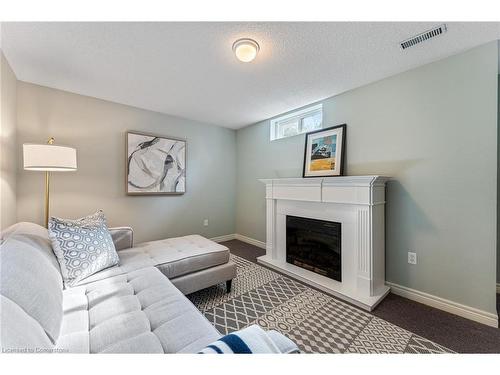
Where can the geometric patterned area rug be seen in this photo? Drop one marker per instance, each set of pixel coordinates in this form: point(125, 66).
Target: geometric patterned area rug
point(315, 321)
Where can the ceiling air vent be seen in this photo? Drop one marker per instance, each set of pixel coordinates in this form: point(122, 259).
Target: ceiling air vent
point(417, 39)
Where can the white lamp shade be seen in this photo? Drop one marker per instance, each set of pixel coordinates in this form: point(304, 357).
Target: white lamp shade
point(45, 157)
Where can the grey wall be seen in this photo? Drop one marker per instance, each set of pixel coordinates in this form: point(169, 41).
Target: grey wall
point(434, 130)
point(7, 144)
point(97, 129)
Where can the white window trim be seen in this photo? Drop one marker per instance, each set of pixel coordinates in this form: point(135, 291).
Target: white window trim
point(299, 115)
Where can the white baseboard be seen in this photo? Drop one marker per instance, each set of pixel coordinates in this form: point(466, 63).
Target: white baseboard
point(445, 305)
point(240, 237)
point(226, 237)
point(498, 287)
point(251, 241)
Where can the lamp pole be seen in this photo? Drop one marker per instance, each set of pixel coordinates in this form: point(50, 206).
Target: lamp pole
point(47, 189)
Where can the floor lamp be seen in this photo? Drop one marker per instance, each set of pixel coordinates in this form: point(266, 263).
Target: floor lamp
point(48, 158)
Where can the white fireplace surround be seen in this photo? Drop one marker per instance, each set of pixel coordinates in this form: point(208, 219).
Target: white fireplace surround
point(358, 203)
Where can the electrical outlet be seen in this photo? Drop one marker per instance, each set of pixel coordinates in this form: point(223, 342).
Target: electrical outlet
point(412, 258)
point(205, 222)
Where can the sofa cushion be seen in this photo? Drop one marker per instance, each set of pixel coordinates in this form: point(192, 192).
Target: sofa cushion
point(30, 276)
point(83, 247)
point(129, 261)
point(140, 311)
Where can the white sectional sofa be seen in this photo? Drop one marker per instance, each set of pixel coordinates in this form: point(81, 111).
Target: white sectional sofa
point(130, 308)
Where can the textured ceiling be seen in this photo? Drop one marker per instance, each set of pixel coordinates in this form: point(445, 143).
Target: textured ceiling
point(189, 70)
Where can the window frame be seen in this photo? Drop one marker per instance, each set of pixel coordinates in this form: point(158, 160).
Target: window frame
point(299, 115)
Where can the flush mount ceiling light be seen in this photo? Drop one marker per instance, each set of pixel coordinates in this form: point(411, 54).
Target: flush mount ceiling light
point(246, 49)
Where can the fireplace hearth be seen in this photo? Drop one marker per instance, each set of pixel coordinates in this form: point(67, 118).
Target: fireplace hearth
point(314, 245)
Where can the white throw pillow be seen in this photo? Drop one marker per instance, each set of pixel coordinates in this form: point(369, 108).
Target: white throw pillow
point(82, 247)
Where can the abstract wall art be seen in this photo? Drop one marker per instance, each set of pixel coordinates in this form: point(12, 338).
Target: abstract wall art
point(324, 152)
point(155, 164)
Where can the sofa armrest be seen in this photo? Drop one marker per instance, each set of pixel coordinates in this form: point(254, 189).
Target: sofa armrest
point(123, 237)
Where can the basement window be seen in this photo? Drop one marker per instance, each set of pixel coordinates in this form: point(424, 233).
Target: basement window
point(298, 122)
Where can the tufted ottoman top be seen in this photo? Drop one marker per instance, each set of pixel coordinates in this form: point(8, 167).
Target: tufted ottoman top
point(175, 257)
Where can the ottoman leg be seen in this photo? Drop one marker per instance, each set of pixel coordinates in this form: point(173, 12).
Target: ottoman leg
point(228, 285)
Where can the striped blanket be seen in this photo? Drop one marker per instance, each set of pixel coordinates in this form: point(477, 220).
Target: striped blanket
point(251, 340)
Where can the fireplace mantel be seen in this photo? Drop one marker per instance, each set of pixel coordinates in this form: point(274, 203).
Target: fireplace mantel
point(358, 202)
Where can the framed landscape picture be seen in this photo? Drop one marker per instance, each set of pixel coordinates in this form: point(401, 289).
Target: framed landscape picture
point(155, 164)
point(324, 152)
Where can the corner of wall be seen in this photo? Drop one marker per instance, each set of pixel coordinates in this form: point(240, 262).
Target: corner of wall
point(498, 167)
point(8, 151)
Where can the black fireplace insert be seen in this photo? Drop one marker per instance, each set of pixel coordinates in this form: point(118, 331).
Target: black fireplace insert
point(314, 245)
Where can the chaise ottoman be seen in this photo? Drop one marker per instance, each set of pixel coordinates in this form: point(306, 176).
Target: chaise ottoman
point(190, 262)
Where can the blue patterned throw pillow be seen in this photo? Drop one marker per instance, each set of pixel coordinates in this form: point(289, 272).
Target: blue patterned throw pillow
point(83, 246)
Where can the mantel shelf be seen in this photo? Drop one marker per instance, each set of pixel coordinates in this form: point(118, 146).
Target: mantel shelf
point(338, 180)
point(367, 190)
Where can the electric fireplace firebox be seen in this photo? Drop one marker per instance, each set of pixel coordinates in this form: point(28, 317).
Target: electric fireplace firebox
point(314, 245)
